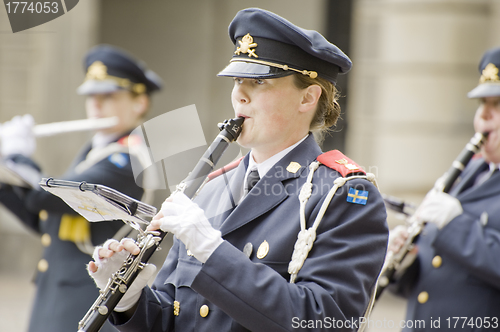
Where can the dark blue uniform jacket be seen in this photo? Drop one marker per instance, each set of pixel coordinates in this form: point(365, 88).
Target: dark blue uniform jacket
point(64, 290)
point(459, 266)
point(254, 294)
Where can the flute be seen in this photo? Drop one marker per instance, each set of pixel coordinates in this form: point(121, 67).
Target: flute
point(149, 242)
point(56, 128)
point(396, 263)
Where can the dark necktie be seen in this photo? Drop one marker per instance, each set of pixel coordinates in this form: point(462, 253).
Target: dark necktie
point(472, 180)
point(493, 169)
point(252, 179)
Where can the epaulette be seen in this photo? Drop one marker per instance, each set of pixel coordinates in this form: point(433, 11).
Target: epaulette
point(338, 161)
point(224, 169)
point(130, 140)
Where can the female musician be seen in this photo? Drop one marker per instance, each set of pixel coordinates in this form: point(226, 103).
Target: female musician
point(455, 281)
point(63, 292)
point(229, 268)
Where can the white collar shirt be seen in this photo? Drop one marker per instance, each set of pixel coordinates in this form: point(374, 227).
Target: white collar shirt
point(267, 164)
point(481, 178)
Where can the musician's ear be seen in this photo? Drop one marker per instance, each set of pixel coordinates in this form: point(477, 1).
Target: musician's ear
point(310, 98)
point(141, 104)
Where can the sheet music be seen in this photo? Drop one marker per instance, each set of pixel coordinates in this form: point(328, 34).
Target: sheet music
point(99, 203)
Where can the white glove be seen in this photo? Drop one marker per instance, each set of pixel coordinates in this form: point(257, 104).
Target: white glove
point(17, 136)
point(439, 184)
point(107, 266)
point(439, 208)
point(397, 237)
point(188, 223)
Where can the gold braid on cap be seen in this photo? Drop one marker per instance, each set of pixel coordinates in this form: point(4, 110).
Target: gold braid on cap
point(490, 74)
point(99, 72)
point(310, 73)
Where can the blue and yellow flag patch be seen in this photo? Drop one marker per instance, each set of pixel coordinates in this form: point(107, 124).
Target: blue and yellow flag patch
point(357, 196)
point(120, 160)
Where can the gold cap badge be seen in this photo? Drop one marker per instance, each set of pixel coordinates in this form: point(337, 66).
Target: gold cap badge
point(490, 74)
point(97, 71)
point(246, 44)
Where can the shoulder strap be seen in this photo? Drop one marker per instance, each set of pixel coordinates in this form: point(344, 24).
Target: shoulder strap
point(338, 161)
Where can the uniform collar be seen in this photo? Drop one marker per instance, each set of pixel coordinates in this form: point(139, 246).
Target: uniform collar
point(100, 140)
point(266, 198)
point(267, 164)
point(494, 166)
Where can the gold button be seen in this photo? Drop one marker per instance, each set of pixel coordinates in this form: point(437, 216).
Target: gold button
point(437, 261)
point(263, 250)
point(43, 265)
point(423, 297)
point(43, 215)
point(177, 308)
point(46, 240)
point(204, 310)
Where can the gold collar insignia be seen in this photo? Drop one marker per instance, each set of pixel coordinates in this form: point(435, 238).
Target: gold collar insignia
point(293, 167)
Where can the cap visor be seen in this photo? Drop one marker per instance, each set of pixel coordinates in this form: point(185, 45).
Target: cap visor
point(485, 90)
point(93, 87)
point(252, 70)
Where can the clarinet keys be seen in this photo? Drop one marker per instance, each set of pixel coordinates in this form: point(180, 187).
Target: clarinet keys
point(102, 309)
point(122, 288)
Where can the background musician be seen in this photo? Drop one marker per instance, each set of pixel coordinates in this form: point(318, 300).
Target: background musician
point(457, 270)
point(229, 268)
point(116, 84)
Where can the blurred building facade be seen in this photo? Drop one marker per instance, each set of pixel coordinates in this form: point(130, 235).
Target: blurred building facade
point(415, 61)
point(405, 119)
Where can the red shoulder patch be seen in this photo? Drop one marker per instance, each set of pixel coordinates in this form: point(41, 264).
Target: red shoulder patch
point(224, 169)
point(338, 161)
point(130, 140)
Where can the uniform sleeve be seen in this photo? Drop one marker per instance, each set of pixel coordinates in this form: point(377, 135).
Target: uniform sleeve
point(334, 282)
point(404, 285)
point(12, 199)
point(155, 308)
point(473, 246)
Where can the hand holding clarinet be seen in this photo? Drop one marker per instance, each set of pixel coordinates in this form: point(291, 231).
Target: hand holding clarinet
point(123, 265)
point(179, 216)
point(437, 207)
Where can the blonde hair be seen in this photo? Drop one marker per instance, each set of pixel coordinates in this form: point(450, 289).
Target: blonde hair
point(328, 110)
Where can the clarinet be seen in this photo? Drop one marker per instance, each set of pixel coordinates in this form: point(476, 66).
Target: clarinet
point(396, 263)
point(149, 242)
